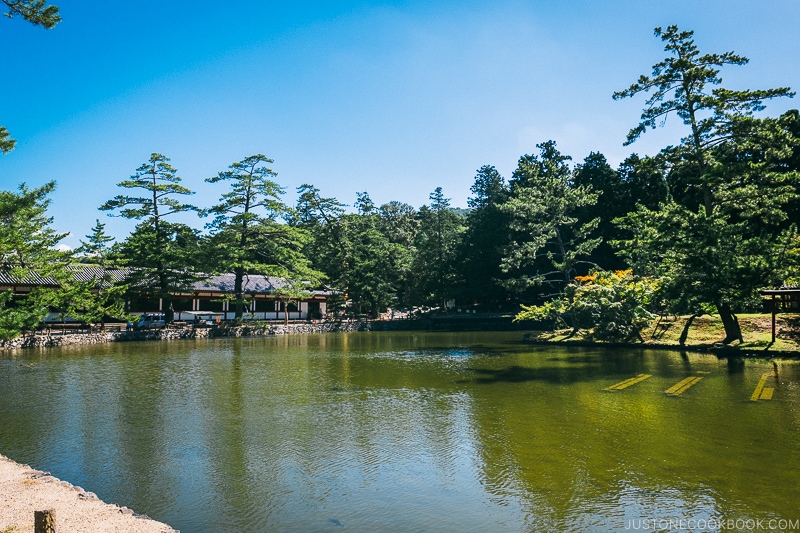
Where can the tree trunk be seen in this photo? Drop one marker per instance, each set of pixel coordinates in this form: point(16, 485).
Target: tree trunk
point(685, 332)
point(732, 330)
point(237, 289)
point(169, 311)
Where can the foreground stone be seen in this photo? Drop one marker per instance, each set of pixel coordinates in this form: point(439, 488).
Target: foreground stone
point(23, 491)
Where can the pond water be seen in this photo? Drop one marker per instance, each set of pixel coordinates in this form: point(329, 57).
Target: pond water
point(410, 432)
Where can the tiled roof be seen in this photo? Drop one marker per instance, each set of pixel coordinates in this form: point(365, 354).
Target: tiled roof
point(79, 272)
point(225, 283)
point(31, 278)
point(252, 283)
point(89, 273)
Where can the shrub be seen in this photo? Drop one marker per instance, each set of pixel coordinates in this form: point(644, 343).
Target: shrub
point(614, 305)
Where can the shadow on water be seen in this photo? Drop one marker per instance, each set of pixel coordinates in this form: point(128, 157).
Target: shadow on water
point(563, 368)
point(551, 374)
point(735, 365)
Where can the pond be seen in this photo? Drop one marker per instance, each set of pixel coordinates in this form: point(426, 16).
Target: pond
point(411, 432)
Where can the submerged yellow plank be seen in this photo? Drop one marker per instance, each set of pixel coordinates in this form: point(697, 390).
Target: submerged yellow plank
point(761, 382)
point(691, 383)
point(628, 382)
point(679, 385)
point(766, 394)
point(682, 385)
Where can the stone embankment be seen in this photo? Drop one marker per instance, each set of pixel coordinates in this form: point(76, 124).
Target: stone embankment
point(290, 329)
point(48, 341)
point(444, 323)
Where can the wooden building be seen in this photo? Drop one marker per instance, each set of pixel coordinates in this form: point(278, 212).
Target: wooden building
point(213, 294)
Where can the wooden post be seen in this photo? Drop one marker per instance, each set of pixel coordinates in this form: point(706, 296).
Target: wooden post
point(44, 521)
point(774, 312)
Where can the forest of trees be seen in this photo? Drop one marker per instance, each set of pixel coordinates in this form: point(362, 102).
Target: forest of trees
point(700, 226)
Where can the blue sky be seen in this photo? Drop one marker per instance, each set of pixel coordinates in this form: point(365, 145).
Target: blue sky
point(394, 98)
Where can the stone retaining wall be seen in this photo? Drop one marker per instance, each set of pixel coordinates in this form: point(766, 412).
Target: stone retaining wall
point(255, 330)
point(47, 341)
point(290, 329)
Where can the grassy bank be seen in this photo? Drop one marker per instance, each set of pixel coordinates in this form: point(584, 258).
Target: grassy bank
point(706, 331)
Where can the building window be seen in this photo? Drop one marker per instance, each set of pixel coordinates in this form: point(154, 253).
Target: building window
point(265, 305)
point(210, 305)
point(144, 304)
point(182, 304)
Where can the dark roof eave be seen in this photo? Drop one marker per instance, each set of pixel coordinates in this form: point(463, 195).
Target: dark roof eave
point(777, 292)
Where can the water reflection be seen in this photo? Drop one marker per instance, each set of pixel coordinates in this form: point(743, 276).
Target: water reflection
point(404, 432)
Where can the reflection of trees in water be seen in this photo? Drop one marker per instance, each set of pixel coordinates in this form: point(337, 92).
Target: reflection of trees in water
point(571, 454)
point(292, 431)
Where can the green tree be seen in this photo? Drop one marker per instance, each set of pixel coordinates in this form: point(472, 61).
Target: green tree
point(153, 249)
point(161, 264)
point(399, 223)
point(106, 288)
point(320, 216)
point(291, 291)
point(357, 257)
point(720, 239)
point(437, 244)
point(644, 182)
point(314, 210)
point(247, 232)
point(371, 261)
point(73, 298)
point(615, 306)
point(36, 12)
point(370, 275)
point(27, 252)
point(548, 240)
point(97, 246)
point(613, 201)
point(485, 237)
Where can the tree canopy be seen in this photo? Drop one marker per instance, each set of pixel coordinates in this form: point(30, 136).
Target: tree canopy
point(720, 237)
point(28, 252)
point(699, 226)
point(159, 251)
point(548, 240)
point(247, 234)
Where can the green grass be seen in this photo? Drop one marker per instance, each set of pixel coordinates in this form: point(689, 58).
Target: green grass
point(707, 330)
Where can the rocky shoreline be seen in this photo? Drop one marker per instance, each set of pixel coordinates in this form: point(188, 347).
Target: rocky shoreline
point(24, 491)
point(68, 339)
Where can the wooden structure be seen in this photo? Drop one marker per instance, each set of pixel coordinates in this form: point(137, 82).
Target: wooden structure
point(211, 294)
point(43, 521)
point(781, 300)
point(214, 294)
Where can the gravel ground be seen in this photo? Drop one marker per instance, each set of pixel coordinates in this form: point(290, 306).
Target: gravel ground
point(24, 490)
